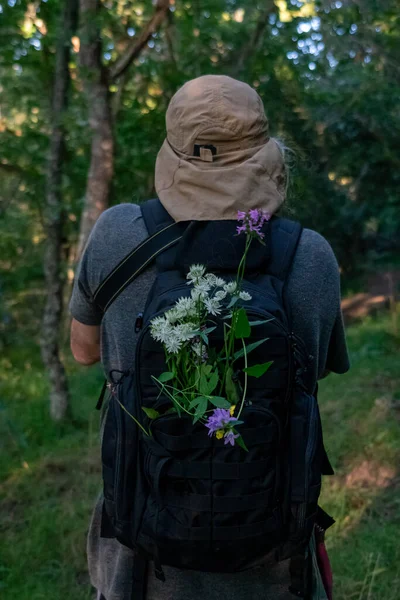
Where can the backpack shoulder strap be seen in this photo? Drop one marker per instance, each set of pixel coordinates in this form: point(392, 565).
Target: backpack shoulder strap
point(155, 216)
point(285, 236)
point(164, 233)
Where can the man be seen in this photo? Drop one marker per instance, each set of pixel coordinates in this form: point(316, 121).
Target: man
point(217, 159)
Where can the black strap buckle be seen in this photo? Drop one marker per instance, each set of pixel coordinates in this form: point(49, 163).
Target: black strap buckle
point(198, 147)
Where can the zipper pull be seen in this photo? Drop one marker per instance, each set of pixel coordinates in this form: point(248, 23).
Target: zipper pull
point(102, 394)
point(139, 322)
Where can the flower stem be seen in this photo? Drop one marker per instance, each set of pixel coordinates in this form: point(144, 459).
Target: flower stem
point(245, 379)
point(132, 417)
point(175, 400)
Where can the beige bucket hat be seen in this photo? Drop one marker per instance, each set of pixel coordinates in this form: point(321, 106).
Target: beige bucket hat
point(218, 157)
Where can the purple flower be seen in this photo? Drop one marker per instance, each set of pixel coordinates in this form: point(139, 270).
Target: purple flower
point(241, 229)
point(230, 437)
point(252, 222)
point(219, 419)
point(255, 214)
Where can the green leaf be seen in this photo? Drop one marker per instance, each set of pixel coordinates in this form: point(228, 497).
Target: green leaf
point(242, 325)
point(166, 376)
point(177, 407)
point(207, 369)
point(258, 370)
point(203, 384)
point(249, 348)
point(233, 301)
point(204, 337)
point(209, 329)
point(220, 402)
point(213, 382)
point(196, 401)
point(200, 410)
point(240, 442)
point(256, 323)
point(150, 412)
point(230, 387)
point(208, 385)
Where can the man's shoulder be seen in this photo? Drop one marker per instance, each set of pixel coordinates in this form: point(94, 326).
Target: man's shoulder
point(314, 240)
point(116, 232)
point(315, 255)
point(125, 212)
point(119, 223)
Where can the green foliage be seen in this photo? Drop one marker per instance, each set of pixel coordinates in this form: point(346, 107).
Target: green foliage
point(164, 377)
point(242, 325)
point(258, 370)
point(208, 384)
point(150, 412)
point(231, 389)
point(249, 348)
point(328, 75)
point(360, 415)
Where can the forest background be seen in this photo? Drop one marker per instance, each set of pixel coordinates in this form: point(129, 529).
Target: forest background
point(84, 86)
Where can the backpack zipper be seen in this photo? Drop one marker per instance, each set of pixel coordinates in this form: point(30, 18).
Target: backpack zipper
point(117, 412)
point(311, 442)
point(139, 322)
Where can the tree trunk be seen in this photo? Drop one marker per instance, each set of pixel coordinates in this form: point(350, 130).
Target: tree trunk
point(252, 46)
point(53, 218)
point(96, 82)
point(95, 78)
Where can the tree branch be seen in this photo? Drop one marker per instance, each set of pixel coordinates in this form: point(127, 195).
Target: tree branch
point(133, 51)
point(12, 168)
point(254, 41)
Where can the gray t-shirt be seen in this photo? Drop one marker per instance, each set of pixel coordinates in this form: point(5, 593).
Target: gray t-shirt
point(314, 298)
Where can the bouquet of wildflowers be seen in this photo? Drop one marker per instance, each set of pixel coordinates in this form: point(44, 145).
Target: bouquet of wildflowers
point(201, 380)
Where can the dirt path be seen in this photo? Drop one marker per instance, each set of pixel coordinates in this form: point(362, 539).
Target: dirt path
point(382, 290)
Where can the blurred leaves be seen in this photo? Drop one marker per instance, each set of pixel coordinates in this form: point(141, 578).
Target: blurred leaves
point(327, 71)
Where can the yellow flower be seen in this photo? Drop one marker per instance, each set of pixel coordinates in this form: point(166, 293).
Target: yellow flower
point(219, 434)
point(232, 409)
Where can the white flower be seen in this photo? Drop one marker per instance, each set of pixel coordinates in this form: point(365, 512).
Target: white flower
point(230, 287)
point(220, 295)
point(202, 285)
point(195, 272)
point(173, 344)
point(172, 316)
point(160, 329)
point(157, 321)
point(197, 348)
point(245, 296)
point(200, 350)
point(214, 281)
point(185, 331)
point(212, 305)
point(185, 307)
point(196, 294)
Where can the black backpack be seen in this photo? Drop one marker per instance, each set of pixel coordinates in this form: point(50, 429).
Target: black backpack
point(181, 498)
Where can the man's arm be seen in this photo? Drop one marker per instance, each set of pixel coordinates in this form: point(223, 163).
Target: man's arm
point(85, 343)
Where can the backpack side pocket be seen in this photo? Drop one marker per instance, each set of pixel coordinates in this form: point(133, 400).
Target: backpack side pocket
point(305, 466)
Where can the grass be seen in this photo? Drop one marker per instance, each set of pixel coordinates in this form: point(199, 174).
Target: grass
point(50, 475)
point(361, 417)
point(50, 478)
